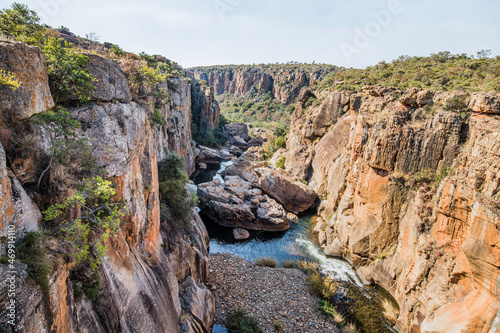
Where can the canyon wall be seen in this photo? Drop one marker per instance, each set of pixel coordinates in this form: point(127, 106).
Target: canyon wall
point(284, 82)
point(152, 279)
point(410, 182)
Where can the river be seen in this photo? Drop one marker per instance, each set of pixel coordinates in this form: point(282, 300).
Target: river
point(297, 243)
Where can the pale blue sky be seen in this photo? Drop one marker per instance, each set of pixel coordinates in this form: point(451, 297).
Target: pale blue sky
point(210, 32)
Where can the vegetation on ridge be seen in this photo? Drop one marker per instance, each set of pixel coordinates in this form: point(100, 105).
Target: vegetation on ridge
point(440, 71)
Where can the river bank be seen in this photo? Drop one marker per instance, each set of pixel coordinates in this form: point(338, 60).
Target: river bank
point(274, 296)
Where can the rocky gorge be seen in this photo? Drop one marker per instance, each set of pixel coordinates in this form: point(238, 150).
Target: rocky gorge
point(410, 187)
point(404, 182)
point(152, 278)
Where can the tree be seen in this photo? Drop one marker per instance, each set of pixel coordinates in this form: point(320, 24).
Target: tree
point(97, 218)
point(92, 36)
point(172, 181)
point(68, 76)
point(483, 54)
point(21, 24)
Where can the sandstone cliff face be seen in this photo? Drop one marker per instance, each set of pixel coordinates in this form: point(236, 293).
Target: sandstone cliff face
point(152, 278)
point(206, 110)
point(33, 96)
point(411, 198)
point(284, 84)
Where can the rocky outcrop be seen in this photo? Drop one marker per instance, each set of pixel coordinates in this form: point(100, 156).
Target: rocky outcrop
point(18, 213)
point(236, 203)
point(284, 82)
point(28, 65)
point(152, 278)
point(410, 198)
point(295, 196)
point(206, 110)
point(111, 84)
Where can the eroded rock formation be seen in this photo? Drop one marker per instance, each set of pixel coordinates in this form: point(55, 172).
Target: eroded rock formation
point(152, 279)
point(283, 83)
point(411, 197)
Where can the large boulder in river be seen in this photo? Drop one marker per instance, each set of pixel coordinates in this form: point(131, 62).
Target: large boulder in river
point(245, 165)
point(208, 156)
point(236, 203)
point(295, 196)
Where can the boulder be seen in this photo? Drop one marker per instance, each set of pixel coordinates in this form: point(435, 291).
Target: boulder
point(245, 165)
point(28, 65)
point(237, 129)
point(485, 103)
point(295, 196)
point(256, 141)
point(333, 249)
point(238, 141)
point(236, 203)
point(424, 97)
point(240, 234)
point(208, 156)
point(111, 82)
point(409, 98)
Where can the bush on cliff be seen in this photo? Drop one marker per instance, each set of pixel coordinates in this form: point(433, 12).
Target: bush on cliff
point(68, 77)
point(21, 24)
point(98, 219)
point(172, 178)
point(70, 157)
point(32, 252)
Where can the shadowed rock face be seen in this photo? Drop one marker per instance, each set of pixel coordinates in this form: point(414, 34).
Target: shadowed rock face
point(28, 65)
point(434, 246)
point(152, 278)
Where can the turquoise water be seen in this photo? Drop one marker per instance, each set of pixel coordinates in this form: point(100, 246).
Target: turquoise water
point(297, 244)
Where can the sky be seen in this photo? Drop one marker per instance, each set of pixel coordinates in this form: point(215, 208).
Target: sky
point(356, 33)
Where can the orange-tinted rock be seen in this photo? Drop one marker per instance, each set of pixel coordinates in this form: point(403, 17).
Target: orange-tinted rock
point(28, 65)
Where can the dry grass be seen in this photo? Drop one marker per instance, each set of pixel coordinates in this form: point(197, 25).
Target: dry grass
point(290, 264)
point(266, 262)
point(349, 328)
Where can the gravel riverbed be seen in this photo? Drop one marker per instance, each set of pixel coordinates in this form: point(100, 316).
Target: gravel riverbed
point(268, 294)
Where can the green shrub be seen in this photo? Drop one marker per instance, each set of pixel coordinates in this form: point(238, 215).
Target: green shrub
point(117, 51)
point(71, 158)
point(281, 162)
point(172, 179)
point(266, 262)
point(68, 77)
point(32, 252)
point(157, 118)
point(21, 24)
point(99, 218)
point(320, 285)
point(239, 322)
point(457, 104)
point(85, 286)
point(327, 308)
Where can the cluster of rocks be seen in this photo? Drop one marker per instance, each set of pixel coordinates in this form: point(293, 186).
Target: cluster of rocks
point(274, 296)
point(238, 136)
point(255, 197)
